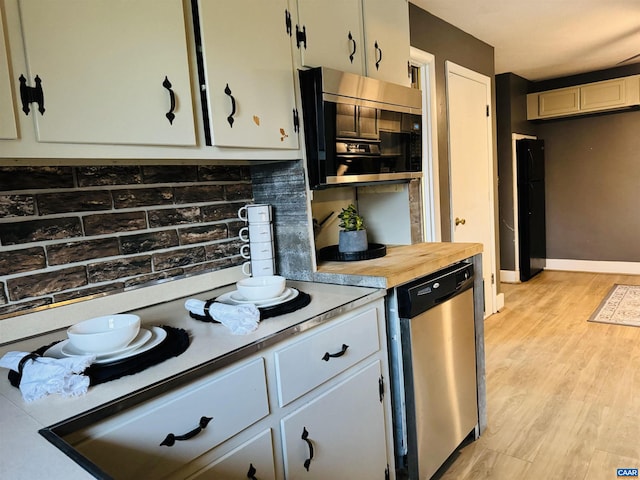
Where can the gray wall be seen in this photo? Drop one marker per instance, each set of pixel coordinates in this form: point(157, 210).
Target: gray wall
point(592, 173)
point(511, 93)
point(592, 187)
point(446, 42)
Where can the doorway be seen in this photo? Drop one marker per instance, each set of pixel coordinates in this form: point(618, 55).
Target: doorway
point(471, 168)
point(426, 81)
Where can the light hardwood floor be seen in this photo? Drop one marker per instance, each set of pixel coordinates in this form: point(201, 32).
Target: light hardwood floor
point(563, 393)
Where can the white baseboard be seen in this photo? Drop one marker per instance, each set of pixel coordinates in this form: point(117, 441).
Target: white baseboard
point(593, 266)
point(510, 276)
point(499, 301)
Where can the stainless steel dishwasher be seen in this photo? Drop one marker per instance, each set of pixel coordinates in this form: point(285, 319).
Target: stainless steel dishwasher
point(434, 369)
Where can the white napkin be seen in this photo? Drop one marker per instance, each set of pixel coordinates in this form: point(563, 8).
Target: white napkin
point(240, 319)
point(44, 375)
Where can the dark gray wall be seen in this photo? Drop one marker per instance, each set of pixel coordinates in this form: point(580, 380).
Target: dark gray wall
point(592, 187)
point(446, 42)
point(511, 113)
point(592, 173)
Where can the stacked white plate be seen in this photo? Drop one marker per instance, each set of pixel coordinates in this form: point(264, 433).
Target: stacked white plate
point(234, 298)
point(144, 341)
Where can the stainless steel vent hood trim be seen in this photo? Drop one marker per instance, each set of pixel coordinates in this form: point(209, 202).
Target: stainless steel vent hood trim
point(344, 87)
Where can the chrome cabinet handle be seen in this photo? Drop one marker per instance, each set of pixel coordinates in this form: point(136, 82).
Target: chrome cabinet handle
point(171, 439)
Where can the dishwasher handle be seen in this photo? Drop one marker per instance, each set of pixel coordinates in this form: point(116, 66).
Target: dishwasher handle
point(427, 292)
point(460, 287)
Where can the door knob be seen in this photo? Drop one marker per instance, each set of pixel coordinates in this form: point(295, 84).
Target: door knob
point(460, 221)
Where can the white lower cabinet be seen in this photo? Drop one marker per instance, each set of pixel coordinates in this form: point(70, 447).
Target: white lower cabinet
point(163, 435)
point(253, 459)
point(314, 406)
point(339, 434)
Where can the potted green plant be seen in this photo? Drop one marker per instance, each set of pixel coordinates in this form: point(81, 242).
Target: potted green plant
point(353, 236)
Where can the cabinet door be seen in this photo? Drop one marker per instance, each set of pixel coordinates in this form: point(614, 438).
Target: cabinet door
point(559, 102)
point(248, 73)
point(603, 95)
point(111, 71)
point(163, 435)
point(340, 434)
point(7, 113)
point(386, 32)
point(333, 32)
point(253, 459)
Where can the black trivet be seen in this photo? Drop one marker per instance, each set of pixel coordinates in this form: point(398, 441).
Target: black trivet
point(175, 343)
point(301, 301)
point(331, 253)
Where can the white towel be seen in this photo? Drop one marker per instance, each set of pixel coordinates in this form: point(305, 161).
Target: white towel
point(240, 319)
point(44, 375)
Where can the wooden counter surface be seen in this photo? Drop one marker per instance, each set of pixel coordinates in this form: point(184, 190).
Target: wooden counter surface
point(403, 263)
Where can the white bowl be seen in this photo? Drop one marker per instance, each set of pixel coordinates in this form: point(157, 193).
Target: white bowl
point(261, 288)
point(104, 334)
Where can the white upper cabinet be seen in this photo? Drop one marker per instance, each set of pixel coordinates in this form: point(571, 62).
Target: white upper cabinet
point(8, 128)
point(607, 95)
point(366, 37)
point(329, 34)
point(386, 32)
point(248, 73)
point(107, 71)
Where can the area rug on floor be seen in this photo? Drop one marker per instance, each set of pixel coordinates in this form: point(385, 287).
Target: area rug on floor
point(621, 306)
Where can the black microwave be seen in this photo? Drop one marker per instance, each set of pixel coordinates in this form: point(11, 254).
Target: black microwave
point(359, 130)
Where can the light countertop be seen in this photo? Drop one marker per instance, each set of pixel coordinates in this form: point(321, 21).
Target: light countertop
point(25, 454)
point(401, 264)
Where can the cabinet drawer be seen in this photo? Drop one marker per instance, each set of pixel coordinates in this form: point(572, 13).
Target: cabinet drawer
point(137, 444)
point(253, 459)
point(308, 363)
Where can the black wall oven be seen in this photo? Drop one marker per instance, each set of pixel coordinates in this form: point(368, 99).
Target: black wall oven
point(359, 130)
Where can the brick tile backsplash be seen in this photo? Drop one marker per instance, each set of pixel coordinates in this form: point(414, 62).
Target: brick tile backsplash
point(23, 260)
point(50, 203)
point(71, 232)
point(41, 284)
point(107, 223)
point(40, 230)
point(29, 178)
point(17, 205)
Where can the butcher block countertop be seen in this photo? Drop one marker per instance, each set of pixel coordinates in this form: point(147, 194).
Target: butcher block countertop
point(401, 264)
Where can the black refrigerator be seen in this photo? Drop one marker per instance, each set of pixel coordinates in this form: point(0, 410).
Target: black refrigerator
point(531, 207)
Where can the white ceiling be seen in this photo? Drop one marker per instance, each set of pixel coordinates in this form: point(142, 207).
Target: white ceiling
point(541, 39)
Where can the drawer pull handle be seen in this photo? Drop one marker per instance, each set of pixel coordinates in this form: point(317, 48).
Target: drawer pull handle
point(378, 55)
point(230, 118)
point(252, 472)
point(328, 355)
point(353, 42)
point(171, 438)
point(305, 437)
point(172, 99)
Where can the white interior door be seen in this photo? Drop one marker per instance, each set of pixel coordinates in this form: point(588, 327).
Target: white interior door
point(471, 168)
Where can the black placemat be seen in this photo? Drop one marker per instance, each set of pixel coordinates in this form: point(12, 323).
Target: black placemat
point(175, 343)
point(300, 301)
point(332, 253)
